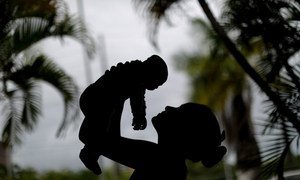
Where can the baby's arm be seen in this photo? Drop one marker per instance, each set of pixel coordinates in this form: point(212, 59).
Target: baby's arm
point(138, 109)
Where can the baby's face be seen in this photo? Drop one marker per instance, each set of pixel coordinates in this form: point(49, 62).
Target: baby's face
point(153, 79)
point(152, 85)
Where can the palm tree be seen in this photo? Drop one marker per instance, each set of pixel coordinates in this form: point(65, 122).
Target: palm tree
point(281, 37)
point(274, 23)
point(157, 9)
point(23, 23)
point(222, 85)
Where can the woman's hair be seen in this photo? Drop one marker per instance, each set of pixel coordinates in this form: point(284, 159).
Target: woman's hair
point(201, 128)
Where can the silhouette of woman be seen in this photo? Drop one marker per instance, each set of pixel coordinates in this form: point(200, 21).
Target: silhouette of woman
point(190, 131)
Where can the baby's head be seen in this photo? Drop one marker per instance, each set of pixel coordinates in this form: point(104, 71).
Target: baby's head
point(156, 72)
point(193, 130)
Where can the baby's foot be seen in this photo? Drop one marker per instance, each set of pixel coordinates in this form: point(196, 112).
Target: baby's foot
point(89, 159)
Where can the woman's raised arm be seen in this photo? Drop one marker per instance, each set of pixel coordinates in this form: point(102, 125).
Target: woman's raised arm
point(129, 152)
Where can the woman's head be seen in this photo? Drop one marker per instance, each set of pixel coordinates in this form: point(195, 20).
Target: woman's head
point(193, 130)
point(156, 72)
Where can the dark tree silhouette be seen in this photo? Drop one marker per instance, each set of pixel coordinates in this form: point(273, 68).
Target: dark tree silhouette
point(275, 21)
point(23, 23)
point(217, 81)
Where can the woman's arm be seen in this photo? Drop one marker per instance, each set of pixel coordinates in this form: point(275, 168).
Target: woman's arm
point(130, 152)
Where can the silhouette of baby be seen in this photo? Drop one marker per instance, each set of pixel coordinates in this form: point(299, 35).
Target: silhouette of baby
point(190, 131)
point(102, 102)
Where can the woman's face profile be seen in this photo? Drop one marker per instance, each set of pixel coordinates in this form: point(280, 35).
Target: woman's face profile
point(163, 120)
point(170, 127)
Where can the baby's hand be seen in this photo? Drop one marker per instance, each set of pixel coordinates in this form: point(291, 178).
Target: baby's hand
point(139, 123)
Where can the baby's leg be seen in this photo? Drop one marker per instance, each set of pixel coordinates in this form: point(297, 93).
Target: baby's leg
point(90, 128)
point(83, 131)
point(89, 155)
point(85, 100)
point(93, 104)
point(90, 159)
point(102, 124)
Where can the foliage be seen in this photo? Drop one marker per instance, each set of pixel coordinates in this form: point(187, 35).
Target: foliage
point(214, 76)
point(26, 174)
point(23, 23)
point(220, 83)
point(273, 21)
point(275, 25)
point(155, 11)
point(113, 173)
point(68, 175)
point(198, 171)
point(32, 174)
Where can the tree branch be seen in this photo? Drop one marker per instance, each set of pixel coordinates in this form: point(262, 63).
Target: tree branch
point(242, 61)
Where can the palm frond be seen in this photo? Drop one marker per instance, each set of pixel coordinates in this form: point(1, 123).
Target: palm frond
point(211, 72)
point(268, 20)
point(279, 133)
point(28, 31)
point(75, 28)
point(209, 37)
point(42, 68)
point(155, 11)
point(271, 22)
point(31, 103)
point(275, 144)
point(12, 111)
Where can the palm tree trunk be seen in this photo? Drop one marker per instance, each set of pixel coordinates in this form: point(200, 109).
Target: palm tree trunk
point(5, 157)
point(240, 137)
point(246, 147)
point(242, 61)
